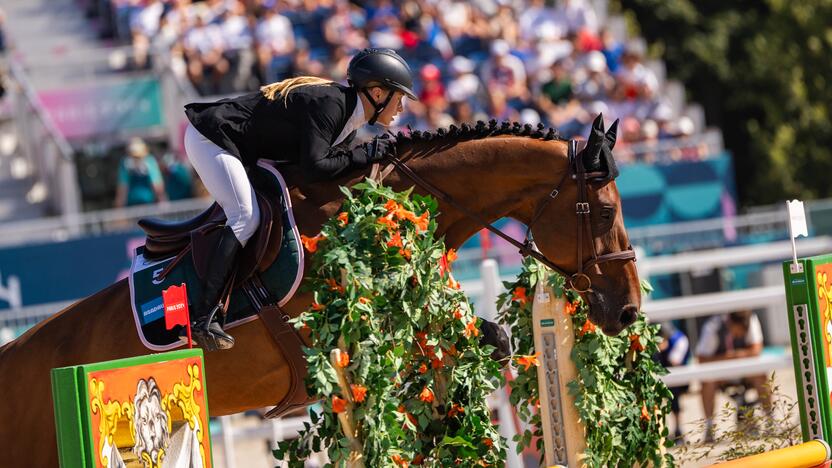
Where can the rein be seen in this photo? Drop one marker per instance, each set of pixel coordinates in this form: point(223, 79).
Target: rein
point(576, 172)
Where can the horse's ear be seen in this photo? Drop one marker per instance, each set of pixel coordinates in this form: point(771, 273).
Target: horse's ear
point(594, 143)
point(611, 135)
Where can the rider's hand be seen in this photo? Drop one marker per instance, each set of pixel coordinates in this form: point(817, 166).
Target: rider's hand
point(381, 147)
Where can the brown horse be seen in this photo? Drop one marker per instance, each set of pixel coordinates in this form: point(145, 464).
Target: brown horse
point(493, 171)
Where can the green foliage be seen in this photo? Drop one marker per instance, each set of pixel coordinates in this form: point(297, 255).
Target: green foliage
point(618, 393)
point(761, 71)
point(381, 295)
point(752, 430)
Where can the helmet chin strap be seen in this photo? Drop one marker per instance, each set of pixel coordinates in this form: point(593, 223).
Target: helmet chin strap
point(379, 108)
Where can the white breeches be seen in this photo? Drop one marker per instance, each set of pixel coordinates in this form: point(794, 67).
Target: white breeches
point(226, 180)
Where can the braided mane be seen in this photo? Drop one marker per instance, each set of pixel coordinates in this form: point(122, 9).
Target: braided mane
point(478, 131)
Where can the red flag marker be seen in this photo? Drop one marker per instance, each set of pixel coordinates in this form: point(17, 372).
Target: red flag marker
point(175, 299)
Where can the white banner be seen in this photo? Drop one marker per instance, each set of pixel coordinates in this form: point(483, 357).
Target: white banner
point(797, 219)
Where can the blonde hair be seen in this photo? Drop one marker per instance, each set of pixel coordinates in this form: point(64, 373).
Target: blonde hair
point(283, 88)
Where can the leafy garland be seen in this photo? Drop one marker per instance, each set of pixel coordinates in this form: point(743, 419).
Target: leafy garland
point(396, 359)
point(618, 393)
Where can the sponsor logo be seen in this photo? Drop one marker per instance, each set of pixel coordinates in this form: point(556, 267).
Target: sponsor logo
point(152, 311)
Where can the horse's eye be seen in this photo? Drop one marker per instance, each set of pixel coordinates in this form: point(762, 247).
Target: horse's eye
point(607, 212)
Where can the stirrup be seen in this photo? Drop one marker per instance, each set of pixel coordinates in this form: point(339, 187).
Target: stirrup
point(213, 338)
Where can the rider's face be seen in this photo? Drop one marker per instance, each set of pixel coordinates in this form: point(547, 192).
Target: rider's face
point(392, 109)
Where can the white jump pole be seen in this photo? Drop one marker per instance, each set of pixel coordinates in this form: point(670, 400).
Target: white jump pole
point(554, 338)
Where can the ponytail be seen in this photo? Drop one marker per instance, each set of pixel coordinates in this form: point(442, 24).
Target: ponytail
point(283, 88)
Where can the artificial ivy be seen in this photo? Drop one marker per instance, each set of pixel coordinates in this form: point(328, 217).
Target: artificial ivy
point(395, 348)
point(618, 393)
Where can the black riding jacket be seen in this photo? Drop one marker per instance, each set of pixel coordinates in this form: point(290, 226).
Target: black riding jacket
point(302, 130)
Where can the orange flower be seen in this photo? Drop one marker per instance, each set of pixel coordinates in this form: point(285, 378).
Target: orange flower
point(426, 395)
point(395, 240)
point(488, 442)
point(334, 286)
point(418, 459)
point(363, 300)
point(343, 359)
point(437, 363)
point(635, 344)
point(399, 461)
point(423, 368)
point(316, 306)
point(571, 307)
point(471, 329)
point(422, 222)
point(457, 314)
point(528, 361)
point(645, 416)
point(519, 295)
point(311, 243)
point(453, 284)
point(406, 253)
point(359, 392)
point(391, 205)
point(343, 218)
point(588, 327)
point(451, 255)
point(339, 405)
point(388, 221)
point(456, 409)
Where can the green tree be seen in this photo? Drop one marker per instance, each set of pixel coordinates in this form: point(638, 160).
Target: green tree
point(761, 69)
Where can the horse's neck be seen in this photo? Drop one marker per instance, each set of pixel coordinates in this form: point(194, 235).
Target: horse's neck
point(493, 177)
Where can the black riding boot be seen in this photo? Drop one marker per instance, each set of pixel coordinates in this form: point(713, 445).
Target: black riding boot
point(204, 329)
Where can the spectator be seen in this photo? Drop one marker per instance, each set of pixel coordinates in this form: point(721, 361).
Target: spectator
point(433, 91)
point(144, 25)
point(275, 44)
point(674, 350)
point(595, 83)
point(343, 28)
point(635, 80)
point(464, 86)
point(505, 73)
point(178, 178)
point(2, 32)
point(557, 89)
point(612, 49)
point(139, 178)
point(204, 47)
point(732, 336)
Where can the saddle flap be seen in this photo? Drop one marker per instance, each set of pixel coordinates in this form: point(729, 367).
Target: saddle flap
point(255, 248)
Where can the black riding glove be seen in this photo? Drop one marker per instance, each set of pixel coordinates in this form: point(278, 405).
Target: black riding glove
point(380, 148)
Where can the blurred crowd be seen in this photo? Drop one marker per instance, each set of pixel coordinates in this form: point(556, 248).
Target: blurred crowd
point(530, 61)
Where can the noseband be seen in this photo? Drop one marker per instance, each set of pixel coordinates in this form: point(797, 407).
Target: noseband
point(576, 172)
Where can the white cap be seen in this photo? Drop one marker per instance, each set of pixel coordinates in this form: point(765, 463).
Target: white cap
point(595, 61)
point(650, 129)
point(529, 116)
point(597, 107)
point(663, 112)
point(500, 48)
point(460, 64)
point(686, 126)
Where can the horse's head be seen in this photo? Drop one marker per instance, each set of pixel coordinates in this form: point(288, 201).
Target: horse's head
point(609, 281)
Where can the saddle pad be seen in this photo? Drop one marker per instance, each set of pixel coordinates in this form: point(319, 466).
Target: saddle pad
point(282, 279)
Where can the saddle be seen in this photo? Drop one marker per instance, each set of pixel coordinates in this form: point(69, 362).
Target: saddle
point(199, 236)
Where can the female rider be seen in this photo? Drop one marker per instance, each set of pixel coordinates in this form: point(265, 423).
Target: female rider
point(309, 121)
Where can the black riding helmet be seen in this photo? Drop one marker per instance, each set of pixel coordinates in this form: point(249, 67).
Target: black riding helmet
point(380, 67)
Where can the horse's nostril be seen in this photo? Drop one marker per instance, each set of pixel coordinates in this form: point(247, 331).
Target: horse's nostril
point(629, 313)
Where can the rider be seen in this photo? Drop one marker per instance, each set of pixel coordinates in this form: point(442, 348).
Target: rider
point(306, 120)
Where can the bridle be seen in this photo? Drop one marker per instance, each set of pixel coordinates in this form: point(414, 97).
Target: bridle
point(576, 172)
